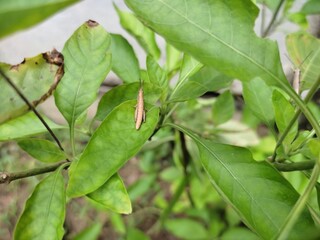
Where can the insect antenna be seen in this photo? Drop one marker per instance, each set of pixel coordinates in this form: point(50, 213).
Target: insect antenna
point(301, 62)
point(305, 59)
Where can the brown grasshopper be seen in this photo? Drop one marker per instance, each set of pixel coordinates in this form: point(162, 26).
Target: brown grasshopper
point(140, 114)
point(297, 74)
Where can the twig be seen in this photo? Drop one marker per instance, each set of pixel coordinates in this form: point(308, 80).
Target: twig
point(24, 98)
point(299, 206)
point(274, 17)
point(296, 166)
point(294, 118)
point(173, 201)
point(9, 177)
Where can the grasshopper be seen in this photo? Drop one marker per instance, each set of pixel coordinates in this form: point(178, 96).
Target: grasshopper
point(297, 74)
point(140, 114)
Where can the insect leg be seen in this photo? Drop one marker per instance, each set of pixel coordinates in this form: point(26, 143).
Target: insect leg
point(136, 114)
point(144, 116)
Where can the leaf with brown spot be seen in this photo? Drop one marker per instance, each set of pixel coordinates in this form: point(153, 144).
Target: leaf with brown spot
point(35, 77)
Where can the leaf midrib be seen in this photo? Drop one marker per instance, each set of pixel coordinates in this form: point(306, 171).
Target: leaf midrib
point(184, 79)
point(50, 201)
point(194, 137)
point(226, 44)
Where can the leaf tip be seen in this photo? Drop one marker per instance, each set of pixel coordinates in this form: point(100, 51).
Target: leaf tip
point(92, 23)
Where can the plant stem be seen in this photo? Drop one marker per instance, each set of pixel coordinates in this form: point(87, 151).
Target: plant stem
point(285, 133)
point(173, 201)
point(310, 94)
point(170, 112)
point(296, 166)
point(299, 206)
point(273, 19)
point(9, 177)
point(24, 98)
point(72, 142)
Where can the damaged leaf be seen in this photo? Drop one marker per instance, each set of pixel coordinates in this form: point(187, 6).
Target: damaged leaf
point(87, 57)
point(35, 77)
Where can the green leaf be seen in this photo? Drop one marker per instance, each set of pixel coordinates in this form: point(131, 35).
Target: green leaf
point(114, 142)
point(136, 234)
point(299, 46)
point(24, 126)
point(124, 61)
point(118, 224)
point(237, 133)
point(144, 36)
point(311, 7)
point(43, 215)
point(314, 146)
point(211, 78)
point(223, 108)
point(257, 96)
point(125, 92)
point(300, 140)
point(189, 67)
point(314, 108)
point(186, 228)
point(204, 80)
point(43, 150)
point(239, 233)
point(17, 15)
point(257, 191)
point(113, 195)
point(142, 186)
point(182, 89)
point(318, 194)
point(35, 77)
point(156, 74)
point(284, 112)
point(90, 233)
point(272, 4)
point(217, 33)
point(87, 62)
point(298, 18)
point(173, 59)
point(249, 118)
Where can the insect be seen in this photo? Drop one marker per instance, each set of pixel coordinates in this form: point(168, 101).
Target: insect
point(297, 74)
point(140, 114)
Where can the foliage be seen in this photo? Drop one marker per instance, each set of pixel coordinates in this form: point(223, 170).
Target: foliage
point(203, 170)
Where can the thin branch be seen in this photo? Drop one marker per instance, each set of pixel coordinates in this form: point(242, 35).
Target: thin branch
point(310, 94)
point(273, 19)
point(176, 196)
point(296, 166)
point(30, 105)
point(9, 177)
point(299, 206)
